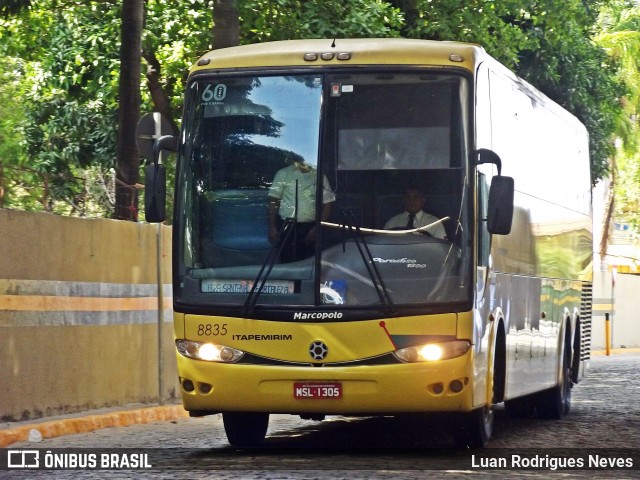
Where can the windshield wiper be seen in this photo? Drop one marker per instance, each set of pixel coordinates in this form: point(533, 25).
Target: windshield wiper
point(288, 227)
point(367, 258)
point(285, 231)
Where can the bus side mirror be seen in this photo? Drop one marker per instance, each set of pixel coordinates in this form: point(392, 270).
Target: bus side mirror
point(155, 182)
point(500, 211)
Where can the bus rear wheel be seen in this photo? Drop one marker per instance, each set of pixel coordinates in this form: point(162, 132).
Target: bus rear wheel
point(555, 403)
point(245, 429)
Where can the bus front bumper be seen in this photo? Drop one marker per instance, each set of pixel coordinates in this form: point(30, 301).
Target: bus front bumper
point(440, 386)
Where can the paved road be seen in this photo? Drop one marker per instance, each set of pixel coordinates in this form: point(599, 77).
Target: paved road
point(605, 415)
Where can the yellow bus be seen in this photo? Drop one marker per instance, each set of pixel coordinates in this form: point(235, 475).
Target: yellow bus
point(375, 227)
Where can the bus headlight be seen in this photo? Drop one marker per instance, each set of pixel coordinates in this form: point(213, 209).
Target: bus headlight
point(431, 352)
point(208, 352)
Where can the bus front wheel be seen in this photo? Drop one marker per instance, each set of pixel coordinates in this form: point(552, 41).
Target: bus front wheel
point(245, 429)
point(476, 428)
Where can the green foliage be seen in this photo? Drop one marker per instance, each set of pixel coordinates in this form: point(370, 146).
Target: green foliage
point(620, 37)
point(65, 138)
point(68, 57)
point(267, 20)
point(178, 33)
point(571, 69)
point(548, 43)
point(68, 104)
point(497, 26)
point(11, 115)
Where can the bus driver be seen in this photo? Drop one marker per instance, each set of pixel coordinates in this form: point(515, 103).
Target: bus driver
point(414, 216)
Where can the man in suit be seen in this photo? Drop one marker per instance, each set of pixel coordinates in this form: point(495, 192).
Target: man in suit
point(414, 216)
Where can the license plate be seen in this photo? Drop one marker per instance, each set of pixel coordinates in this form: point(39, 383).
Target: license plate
point(306, 390)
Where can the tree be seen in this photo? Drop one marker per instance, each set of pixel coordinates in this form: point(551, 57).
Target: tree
point(128, 160)
point(66, 125)
point(11, 114)
point(620, 37)
point(549, 43)
point(497, 26)
point(13, 7)
point(575, 72)
point(71, 58)
point(265, 20)
point(226, 24)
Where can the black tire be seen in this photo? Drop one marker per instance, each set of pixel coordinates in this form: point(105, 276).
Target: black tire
point(477, 425)
point(555, 403)
point(246, 429)
point(577, 351)
point(521, 407)
point(476, 428)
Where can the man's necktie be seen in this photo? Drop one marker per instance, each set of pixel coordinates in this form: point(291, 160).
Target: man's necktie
point(412, 217)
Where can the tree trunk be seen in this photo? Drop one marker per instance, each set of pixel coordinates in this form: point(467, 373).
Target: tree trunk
point(411, 14)
point(159, 97)
point(606, 223)
point(226, 24)
point(127, 161)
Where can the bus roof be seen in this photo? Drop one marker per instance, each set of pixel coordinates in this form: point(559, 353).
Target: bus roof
point(344, 52)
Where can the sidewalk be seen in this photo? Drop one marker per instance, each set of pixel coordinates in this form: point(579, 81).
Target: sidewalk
point(83, 422)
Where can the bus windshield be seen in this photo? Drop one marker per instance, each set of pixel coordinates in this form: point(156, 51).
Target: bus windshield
point(324, 189)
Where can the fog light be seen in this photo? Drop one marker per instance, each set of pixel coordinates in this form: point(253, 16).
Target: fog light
point(455, 386)
point(188, 385)
point(205, 388)
point(437, 388)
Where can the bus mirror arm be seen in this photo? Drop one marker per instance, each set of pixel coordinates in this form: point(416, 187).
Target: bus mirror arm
point(165, 142)
point(501, 195)
point(155, 182)
point(484, 155)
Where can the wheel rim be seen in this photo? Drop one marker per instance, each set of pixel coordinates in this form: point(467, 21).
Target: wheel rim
point(566, 391)
point(487, 421)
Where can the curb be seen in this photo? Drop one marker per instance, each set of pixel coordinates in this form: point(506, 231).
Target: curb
point(70, 426)
point(615, 351)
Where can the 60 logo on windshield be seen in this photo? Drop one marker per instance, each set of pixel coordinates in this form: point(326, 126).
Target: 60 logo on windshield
point(217, 93)
point(212, 330)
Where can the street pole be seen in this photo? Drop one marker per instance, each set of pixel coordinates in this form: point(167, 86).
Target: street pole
point(158, 133)
point(607, 333)
point(160, 316)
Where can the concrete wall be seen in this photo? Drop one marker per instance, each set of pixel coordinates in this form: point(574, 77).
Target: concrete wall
point(79, 314)
point(619, 296)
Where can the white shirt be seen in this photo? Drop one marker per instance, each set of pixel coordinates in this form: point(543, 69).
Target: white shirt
point(422, 219)
point(284, 188)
